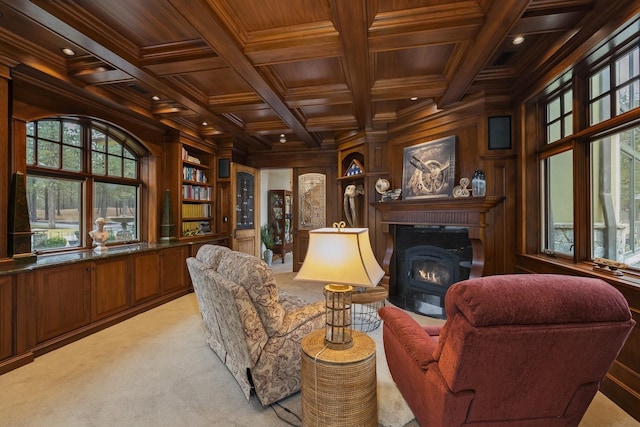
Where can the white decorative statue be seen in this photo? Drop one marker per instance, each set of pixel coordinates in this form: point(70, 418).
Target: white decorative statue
point(349, 201)
point(99, 236)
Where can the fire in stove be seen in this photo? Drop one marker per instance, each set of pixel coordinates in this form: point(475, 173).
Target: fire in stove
point(430, 276)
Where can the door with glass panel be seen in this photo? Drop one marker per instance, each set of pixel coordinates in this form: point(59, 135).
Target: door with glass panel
point(244, 185)
point(313, 206)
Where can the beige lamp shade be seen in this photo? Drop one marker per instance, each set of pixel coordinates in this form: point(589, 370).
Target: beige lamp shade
point(340, 256)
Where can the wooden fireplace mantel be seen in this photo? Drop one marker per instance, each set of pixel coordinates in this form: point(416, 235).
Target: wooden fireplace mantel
point(469, 212)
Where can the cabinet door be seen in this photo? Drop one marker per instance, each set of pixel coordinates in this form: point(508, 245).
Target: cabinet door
point(62, 299)
point(174, 271)
point(146, 284)
point(6, 317)
point(109, 290)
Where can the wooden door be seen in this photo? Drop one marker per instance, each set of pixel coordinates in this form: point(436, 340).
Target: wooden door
point(245, 182)
point(314, 206)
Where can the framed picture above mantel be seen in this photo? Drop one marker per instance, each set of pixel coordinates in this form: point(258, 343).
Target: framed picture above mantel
point(428, 169)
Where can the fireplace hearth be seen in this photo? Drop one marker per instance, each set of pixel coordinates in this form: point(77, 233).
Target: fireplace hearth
point(429, 259)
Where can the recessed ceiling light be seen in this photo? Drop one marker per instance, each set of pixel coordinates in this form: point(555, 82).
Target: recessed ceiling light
point(69, 52)
point(518, 40)
point(155, 98)
point(204, 123)
point(414, 98)
point(283, 138)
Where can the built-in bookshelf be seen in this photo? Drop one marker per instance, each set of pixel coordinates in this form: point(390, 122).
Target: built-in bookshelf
point(196, 199)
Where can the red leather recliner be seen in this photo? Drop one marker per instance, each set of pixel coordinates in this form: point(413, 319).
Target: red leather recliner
point(516, 350)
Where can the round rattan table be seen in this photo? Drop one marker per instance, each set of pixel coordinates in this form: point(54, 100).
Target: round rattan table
point(339, 386)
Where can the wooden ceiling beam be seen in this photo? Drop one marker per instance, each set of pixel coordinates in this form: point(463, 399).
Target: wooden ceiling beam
point(498, 24)
point(204, 20)
point(318, 95)
point(121, 61)
point(405, 88)
point(351, 20)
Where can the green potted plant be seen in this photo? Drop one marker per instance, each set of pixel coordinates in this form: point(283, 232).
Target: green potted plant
point(267, 240)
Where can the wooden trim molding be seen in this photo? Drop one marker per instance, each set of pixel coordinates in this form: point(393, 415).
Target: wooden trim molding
point(459, 212)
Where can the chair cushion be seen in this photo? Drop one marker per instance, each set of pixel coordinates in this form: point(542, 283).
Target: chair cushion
point(210, 255)
point(257, 278)
point(535, 299)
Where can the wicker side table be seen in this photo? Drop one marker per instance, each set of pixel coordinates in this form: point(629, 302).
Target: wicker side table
point(339, 386)
point(364, 311)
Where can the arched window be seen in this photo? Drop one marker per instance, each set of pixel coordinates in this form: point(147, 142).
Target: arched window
point(79, 170)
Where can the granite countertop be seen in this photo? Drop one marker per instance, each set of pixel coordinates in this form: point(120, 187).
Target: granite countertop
point(61, 258)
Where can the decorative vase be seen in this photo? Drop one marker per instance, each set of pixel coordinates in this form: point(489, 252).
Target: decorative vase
point(268, 256)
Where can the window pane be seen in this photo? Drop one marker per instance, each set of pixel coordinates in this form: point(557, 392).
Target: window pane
point(115, 166)
point(54, 212)
point(98, 163)
point(558, 235)
point(71, 158)
point(49, 129)
point(568, 101)
point(615, 195)
point(31, 151)
point(71, 134)
point(627, 98)
point(48, 154)
point(114, 147)
point(31, 128)
point(568, 125)
point(118, 204)
point(627, 67)
point(130, 168)
point(599, 83)
point(600, 110)
point(98, 140)
point(553, 109)
point(553, 132)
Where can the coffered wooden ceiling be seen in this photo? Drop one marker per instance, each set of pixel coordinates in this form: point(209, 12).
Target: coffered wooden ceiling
point(311, 69)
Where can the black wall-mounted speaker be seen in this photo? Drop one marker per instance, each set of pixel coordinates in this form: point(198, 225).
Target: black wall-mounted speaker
point(500, 133)
point(224, 170)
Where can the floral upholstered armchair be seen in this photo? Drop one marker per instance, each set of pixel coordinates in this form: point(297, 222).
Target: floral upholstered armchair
point(519, 350)
point(254, 328)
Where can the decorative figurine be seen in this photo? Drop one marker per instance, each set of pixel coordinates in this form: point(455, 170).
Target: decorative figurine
point(99, 236)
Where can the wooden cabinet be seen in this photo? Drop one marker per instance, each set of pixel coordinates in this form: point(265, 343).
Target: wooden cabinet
point(62, 299)
point(196, 198)
point(109, 288)
point(6, 316)
point(280, 221)
point(47, 306)
point(146, 284)
point(174, 269)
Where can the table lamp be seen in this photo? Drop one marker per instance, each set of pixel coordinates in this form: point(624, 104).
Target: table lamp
point(342, 258)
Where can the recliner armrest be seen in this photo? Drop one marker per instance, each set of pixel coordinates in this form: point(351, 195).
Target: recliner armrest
point(300, 316)
point(419, 342)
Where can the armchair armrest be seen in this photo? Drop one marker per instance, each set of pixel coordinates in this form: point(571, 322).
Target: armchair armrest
point(420, 343)
point(301, 316)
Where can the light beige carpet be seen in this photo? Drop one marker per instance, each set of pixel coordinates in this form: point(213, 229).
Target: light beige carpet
point(156, 370)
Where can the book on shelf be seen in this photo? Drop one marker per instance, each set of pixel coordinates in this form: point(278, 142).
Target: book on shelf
point(196, 192)
point(196, 211)
point(190, 173)
point(188, 157)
